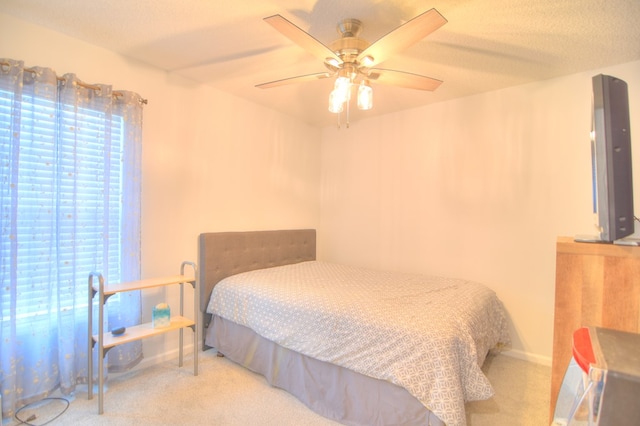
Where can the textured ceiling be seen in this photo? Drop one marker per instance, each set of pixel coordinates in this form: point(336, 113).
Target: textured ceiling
point(486, 44)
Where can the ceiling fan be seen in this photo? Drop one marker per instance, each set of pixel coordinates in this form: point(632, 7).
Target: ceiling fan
point(352, 59)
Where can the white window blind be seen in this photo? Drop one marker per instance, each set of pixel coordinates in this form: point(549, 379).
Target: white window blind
point(61, 175)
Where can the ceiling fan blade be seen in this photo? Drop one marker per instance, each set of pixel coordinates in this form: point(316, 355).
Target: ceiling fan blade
point(291, 80)
point(403, 79)
point(402, 37)
point(302, 39)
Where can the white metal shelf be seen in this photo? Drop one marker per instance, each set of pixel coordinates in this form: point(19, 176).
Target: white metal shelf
point(106, 340)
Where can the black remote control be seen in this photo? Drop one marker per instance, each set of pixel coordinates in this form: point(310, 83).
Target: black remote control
point(118, 331)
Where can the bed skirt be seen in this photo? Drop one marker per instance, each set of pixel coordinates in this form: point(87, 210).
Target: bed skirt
point(332, 391)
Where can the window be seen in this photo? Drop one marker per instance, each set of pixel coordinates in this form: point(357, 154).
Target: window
point(69, 206)
point(60, 154)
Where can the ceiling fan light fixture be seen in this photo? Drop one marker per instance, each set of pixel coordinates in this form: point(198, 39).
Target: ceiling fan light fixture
point(332, 62)
point(365, 96)
point(336, 102)
point(367, 61)
point(342, 87)
point(340, 94)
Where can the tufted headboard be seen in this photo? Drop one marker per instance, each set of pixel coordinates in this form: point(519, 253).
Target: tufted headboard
point(222, 254)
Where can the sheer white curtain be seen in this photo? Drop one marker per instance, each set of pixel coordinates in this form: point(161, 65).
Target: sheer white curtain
point(69, 205)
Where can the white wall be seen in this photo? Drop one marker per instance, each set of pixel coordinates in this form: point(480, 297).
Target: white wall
point(478, 188)
point(211, 161)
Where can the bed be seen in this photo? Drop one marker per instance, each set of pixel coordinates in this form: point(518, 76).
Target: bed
point(358, 346)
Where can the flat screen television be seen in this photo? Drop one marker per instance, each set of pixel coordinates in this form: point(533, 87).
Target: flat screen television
point(611, 159)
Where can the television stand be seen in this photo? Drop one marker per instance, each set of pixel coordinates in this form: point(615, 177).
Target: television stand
point(631, 240)
point(596, 285)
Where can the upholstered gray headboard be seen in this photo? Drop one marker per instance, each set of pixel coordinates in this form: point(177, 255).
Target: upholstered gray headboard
point(222, 254)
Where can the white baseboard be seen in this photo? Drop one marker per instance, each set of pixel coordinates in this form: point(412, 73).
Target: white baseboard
point(171, 355)
point(527, 356)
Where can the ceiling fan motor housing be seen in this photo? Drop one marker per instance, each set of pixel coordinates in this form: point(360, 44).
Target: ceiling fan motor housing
point(349, 45)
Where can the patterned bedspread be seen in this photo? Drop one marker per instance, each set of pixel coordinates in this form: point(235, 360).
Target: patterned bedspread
point(427, 334)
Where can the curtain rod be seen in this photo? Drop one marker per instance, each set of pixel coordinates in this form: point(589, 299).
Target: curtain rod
point(80, 83)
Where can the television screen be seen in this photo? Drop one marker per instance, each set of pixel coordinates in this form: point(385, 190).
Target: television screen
point(611, 156)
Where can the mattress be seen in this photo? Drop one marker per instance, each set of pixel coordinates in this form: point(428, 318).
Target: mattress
point(428, 335)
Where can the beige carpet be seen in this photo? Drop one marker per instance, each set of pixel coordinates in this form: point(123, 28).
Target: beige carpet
point(225, 394)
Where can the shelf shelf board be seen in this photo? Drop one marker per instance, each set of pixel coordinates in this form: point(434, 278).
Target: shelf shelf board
point(110, 289)
point(142, 331)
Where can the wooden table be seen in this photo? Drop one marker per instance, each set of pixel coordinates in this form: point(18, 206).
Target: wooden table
point(596, 285)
